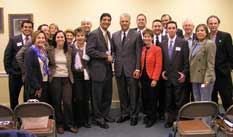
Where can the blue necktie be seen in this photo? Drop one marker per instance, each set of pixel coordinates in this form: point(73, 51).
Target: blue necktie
point(196, 48)
point(170, 49)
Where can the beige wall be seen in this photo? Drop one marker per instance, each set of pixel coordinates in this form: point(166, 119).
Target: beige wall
point(68, 13)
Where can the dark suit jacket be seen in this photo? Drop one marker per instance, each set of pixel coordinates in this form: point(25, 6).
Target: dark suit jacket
point(10, 63)
point(126, 56)
point(179, 61)
point(96, 49)
point(33, 73)
point(179, 33)
point(224, 53)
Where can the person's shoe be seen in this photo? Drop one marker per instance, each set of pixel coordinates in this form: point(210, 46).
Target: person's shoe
point(122, 119)
point(60, 130)
point(161, 117)
point(168, 124)
point(109, 119)
point(87, 125)
point(145, 120)
point(149, 124)
point(73, 130)
point(133, 121)
point(103, 125)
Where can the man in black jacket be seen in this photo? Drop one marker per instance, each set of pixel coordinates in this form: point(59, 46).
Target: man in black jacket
point(11, 66)
point(223, 62)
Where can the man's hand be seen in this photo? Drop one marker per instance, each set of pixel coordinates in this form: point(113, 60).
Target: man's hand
point(163, 75)
point(153, 83)
point(110, 59)
point(181, 78)
point(38, 93)
point(136, 74)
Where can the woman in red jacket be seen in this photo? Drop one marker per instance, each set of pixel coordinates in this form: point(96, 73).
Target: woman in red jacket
point(151, 66)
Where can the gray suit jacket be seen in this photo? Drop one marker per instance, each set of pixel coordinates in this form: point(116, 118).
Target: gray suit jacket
point(179, 61)
point(97, 50)
point(202, 62)
point(127, 56)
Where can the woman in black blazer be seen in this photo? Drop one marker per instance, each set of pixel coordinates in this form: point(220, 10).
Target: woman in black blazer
point(36, 67)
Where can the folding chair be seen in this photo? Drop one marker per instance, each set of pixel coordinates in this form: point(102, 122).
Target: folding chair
point(193, 126)
point(225, 122)
point(36, 110)
point(7, 120)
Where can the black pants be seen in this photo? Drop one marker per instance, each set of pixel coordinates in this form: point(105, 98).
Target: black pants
point(61, 93)
point(81, 96)
point(161, 97)
point(149, 97)
point(223, 85)
point(102, 97)
point(128, 91)
point(175, 99)
point(15, 85)
point(44, 96)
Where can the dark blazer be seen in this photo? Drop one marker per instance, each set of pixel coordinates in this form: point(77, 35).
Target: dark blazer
point(96, 49)
point(224, 53)
point(33, 74)
point(179, 61)
point(179, 33)
point(126, 56)
point(10, 63)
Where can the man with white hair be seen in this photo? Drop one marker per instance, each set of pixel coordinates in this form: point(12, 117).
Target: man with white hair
point(86, 24)
point(188, 27)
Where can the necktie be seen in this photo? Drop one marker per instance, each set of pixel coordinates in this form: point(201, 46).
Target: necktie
point(26, 41)
point(170, 49)
point(157, 41)
point(195, 49)
point(124, 38)
point(106, 38)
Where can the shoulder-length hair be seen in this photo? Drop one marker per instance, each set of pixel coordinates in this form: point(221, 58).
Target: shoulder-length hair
point(65, 47)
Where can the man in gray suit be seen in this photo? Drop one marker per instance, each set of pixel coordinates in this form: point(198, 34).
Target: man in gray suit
point(127, 53)
point(99, 49)
point(175, 69)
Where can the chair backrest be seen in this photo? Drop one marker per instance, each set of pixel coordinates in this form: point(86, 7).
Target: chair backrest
point(229, 113)
point(6, 114)
point(34, 109)
point(198, 109)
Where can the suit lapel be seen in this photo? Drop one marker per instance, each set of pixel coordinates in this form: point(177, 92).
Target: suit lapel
point(102, 38)
point(197, 52)
point(174, 49)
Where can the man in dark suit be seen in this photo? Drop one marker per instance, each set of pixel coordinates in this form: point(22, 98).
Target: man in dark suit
point(175, 69)
point(165, 18)
point(99, 48)
point(127, 53)
point(223, 62)
point(11, 66)
point(157, 28)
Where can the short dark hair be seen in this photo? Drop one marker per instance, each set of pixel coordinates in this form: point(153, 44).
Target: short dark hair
point(148, 31)
point(40, 27)
point(172, 22)
point(141, 14)
point(104, 15)
point(213, 16)
point(26, 21)
point(156, 20)
point(79, 30)
point(170, 18)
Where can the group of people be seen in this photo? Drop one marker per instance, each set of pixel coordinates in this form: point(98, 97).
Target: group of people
point(157, 70)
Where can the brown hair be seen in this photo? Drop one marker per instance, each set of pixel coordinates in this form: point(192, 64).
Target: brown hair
point(35, 34)
point(148, 31)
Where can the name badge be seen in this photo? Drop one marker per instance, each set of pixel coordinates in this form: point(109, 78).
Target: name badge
point(19, 44)
point(178, 49)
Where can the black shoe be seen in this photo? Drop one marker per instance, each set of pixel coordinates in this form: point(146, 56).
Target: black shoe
point(145, 120)
point(168, 124)
point(87, 125)
point(149, 124)
point(103, 125)
point(109, 119)
point(133, 121)
point(122, 119)
point(161, 117)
